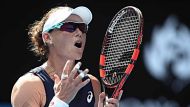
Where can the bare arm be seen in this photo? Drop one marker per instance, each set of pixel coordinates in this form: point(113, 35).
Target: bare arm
point(97, 89)
point(28, 92)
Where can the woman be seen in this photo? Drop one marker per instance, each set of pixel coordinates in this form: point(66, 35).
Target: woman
point(60, 38)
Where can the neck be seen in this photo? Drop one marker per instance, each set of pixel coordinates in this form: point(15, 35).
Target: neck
point(49, 69)
point(54, 66)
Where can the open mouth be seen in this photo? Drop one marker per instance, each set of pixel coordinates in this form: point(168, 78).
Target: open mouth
point(78, 44)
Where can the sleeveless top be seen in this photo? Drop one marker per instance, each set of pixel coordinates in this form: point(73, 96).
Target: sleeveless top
point(84, 98)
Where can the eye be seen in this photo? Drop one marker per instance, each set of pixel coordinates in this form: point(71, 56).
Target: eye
point(68, 27)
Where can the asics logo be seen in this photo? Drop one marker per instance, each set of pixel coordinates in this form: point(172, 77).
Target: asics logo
point(89, 97)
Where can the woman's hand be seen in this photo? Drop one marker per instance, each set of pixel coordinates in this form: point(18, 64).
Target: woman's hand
point(67, 87)
point(108, 102)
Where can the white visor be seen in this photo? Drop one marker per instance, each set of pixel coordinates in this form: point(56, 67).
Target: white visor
point(63, 13)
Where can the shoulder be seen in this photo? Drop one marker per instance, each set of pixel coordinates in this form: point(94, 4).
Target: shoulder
point(94, 80)
point(96, 88)
point(28, 87)
point(28, 80)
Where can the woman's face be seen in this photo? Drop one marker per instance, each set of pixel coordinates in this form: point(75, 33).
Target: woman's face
point(69, 45)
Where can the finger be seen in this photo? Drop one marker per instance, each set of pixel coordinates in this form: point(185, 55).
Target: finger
point(74, 70)
point(102, 97)
point(112, 101)
point(106, 100)
point(82, 84)
point(56, 79)
point(110, 105)
point(81, 76)
point(68, 67)
point(120, 94)
point(82, 73)
point(64, 76)
point(57, 83)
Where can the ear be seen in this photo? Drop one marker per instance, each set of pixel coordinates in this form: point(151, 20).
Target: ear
point(46, 37)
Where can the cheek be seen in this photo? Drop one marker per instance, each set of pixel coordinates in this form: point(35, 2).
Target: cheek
point(84, 39)
point(61, 44)
point(62, 39)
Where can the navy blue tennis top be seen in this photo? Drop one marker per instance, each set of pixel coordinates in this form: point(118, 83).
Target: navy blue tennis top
point(84, 98)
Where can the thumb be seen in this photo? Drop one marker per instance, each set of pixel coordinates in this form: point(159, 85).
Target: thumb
point(56, 78)
point(102, 96)
point(101, 99)
point(56, 86)
point(120, 94)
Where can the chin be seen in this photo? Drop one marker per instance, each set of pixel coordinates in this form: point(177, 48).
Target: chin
point(77, 56)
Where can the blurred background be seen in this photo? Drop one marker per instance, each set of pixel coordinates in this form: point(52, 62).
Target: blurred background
point(161, 77)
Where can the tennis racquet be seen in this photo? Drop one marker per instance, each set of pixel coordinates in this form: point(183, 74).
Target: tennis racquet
point(120, 48)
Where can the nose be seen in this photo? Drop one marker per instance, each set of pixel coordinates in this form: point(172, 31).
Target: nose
point(78, 32)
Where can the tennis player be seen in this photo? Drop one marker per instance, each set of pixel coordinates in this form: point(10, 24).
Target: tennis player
point(59, 39)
